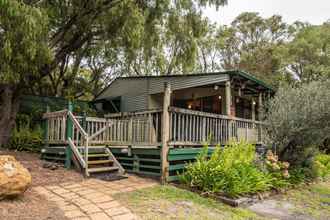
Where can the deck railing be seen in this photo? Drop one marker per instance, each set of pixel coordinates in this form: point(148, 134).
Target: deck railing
point(187, 127)
point(56, 127)
point(137, 128)
point(190, 127)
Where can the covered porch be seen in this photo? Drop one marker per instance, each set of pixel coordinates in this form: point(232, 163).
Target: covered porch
point(213, 113)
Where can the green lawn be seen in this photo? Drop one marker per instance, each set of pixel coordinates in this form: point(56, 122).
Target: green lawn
point(313, 200)
point(169, 202)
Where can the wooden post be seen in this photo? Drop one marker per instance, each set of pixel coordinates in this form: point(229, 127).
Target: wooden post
point(260, 117)
point(260, 105)
point(228, 109)
point(46, 140)
point(69, 133)
point(228, 98)
point(165, 132)
point(253, 109)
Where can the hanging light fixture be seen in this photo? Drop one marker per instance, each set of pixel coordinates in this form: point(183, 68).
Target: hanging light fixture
point(216, 87)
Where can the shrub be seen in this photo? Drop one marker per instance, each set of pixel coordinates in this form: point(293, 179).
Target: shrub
point(25, 138)
point(299, 121)
point(278, 170)
point(322, 165)
point(230, 170)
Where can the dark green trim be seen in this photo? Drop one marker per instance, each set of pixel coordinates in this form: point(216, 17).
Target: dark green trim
point(69, 133)
point(251, 78)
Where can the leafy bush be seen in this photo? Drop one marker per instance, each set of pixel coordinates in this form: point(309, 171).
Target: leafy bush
point(298, 121)
point(231, 171)
point(25, 138)
point(322, 165)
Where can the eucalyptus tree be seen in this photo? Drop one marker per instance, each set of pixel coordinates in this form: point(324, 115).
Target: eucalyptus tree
point(254, 44)
point(45, 43)
point(308, 53)
point(23, 52)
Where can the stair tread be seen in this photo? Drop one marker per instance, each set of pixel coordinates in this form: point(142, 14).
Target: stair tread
point(102, 169)
point(98, 155)
point(99, 161)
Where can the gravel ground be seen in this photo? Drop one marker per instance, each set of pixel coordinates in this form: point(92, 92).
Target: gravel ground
point(32, 206)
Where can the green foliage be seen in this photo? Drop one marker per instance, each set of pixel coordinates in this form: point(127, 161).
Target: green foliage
point(230, 171)
point(298, 121)
point(23, 42)
point(322, 165)
point(308, 53)
point(25, 138)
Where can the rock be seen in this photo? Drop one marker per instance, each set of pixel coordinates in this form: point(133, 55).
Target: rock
point(14, 178)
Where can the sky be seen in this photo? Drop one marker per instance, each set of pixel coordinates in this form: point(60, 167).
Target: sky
point(312, 11)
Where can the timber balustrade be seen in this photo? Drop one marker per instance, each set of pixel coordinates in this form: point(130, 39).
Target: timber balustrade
point(186, 127)
point(190, 127)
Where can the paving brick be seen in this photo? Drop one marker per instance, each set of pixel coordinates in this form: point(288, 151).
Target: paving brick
point(128, 216)
point(72, 186)
point(86, 191)
point(74, 214)
point(79, 189)
point(93, 195)
point(55, 198)
point(99, 216)
point(80, 201)
point(117, 211)
point(101, 199)
point(53, 187)
point(68, 207)
point(109, 205)
point(127, 189)
point(90, 208)
point(60, 191)
point(81, 218)
point(70, 196)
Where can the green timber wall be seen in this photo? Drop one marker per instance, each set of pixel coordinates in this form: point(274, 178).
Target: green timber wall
point(140, 161)
point(148, 161)
point(178, 158)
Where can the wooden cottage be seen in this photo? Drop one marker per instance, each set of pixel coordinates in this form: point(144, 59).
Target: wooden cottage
point(155, 124)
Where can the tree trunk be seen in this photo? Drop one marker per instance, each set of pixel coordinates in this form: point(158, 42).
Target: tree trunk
point(9, 104)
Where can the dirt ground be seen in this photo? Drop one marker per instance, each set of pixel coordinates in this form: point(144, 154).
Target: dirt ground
point(32, 206)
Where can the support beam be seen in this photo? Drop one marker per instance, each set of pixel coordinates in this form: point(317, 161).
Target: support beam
point(228, 98)
point(253, 109)
point(260, 106)
point(69, 133)
point(165, 132)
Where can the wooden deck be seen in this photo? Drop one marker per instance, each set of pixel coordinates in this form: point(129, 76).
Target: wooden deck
point(144, 129)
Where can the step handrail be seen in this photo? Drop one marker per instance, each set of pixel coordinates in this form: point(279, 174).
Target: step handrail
point(84, 162)
point(115, 161)
point(77, 153)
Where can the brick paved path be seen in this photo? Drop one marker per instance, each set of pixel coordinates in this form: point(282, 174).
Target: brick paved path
point(92, 199)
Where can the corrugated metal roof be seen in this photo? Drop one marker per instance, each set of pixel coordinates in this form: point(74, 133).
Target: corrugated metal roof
point(155, 84)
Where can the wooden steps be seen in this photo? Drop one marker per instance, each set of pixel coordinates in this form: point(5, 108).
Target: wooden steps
point(93, 162)
point(98, 155)
point(100, 159)
point(102, 169)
